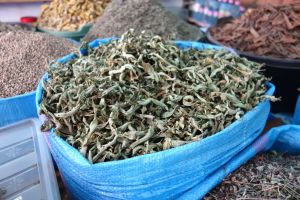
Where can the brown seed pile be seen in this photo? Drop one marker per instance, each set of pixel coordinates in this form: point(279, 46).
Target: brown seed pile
point(24, 56)
point(149, 15)
point(70, 15)
point(267, 176)
point(5, 27)
point(265, 31)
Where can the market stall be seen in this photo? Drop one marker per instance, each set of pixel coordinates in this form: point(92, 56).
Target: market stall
point(137, 99)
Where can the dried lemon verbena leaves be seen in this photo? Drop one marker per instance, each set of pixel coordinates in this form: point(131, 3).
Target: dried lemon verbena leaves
point(142, 94)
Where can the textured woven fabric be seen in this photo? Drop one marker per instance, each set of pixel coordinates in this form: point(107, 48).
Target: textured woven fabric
point(17, 108)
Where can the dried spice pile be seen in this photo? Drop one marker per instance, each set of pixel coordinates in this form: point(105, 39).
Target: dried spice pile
point(139, 95)
point(266, 31)
point(24, 57)
point(70, 15)
point(148, 15)
point(267, 176)
point(5, 27)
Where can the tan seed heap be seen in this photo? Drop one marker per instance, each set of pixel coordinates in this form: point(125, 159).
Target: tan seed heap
point(70, 15)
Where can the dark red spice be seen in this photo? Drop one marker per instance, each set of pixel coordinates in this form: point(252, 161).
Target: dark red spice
point(266, 31)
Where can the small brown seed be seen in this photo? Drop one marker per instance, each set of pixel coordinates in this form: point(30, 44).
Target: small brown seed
point(24, 57)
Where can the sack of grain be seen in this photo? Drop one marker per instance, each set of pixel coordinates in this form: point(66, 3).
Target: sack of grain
point(141, 15)
point(23, 59)
point(162, 175)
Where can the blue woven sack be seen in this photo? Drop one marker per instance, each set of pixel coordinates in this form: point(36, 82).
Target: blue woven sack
point(169, 174)
point(17, 108)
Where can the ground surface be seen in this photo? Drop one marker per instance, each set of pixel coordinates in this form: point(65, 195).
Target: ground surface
point(267, 176)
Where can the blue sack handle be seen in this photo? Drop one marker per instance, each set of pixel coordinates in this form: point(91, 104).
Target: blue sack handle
point(296, 118)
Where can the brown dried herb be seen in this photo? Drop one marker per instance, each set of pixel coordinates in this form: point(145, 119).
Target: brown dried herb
point(267, 176)
point(266, 31)
point(139, 95)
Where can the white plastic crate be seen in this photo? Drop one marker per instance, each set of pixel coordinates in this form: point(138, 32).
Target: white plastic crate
point(26, 168)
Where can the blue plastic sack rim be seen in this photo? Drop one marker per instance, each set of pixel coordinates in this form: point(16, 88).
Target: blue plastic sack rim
point(18, 96)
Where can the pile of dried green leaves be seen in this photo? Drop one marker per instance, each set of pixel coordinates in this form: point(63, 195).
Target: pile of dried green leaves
point(268, 176)
point(268, 31)
point(141, 94)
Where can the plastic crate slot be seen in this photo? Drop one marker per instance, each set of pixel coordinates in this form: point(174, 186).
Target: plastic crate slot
point(20, 181)
point(16, 150)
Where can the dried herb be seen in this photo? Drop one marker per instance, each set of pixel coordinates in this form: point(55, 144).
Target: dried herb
point(139, 95)
point(266, 31)
point(149, 15)
point(267, 176)
point(70, 15)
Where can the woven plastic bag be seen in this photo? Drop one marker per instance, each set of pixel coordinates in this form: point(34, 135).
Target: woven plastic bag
point(163, 175)
point(17, 108)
